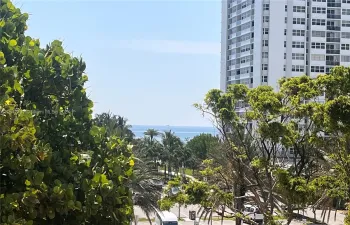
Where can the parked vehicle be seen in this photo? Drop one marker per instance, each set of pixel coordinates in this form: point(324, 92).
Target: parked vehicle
point(165, 218)
point(253, 213)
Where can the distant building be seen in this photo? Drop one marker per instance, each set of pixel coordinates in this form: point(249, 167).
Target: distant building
point(265, 40)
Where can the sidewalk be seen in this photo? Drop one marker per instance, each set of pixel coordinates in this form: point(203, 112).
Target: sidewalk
point(226, 222)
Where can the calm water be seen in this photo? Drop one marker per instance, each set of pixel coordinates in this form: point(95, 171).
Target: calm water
point(181, 132)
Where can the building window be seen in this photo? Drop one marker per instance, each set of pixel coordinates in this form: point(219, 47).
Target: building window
point(285, 31)
point(319, 0)
point(285, 8)
point(317, 45)
point(299, 9)
point(285, 19)
point(245, 59)
point(284, 67)
point(345, 58)
point(298, 56)
point(345, 35)
point(345, 23)
point(266, 19)
point(245, 48)
point(346, 1)
point(285, 44)
point(265, 43)
point(243, 5)
point(318, 33)
point(297, 68)
point(345, 11)
point(317, 57)
point(319, 10)
point(264, 66)
point(319, 22)
point(265, 30)
point(264, 79)
point(317, 69)
point(285, 55)
point(291, 151)
point(345, 46)
point(266, 6)
point(299, 21)
point(265, 55)
point(297, 44)
point(299, 33)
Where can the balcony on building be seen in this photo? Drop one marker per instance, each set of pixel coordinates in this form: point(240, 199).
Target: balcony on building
point(332, 63)
point(332, 60)
point(332, 48)
point(333, 4)
point(332, 16)
point(334, 13)
point(333, 37)
point(336, 28)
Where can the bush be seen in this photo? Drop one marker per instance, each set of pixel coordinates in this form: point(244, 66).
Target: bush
point(56, 167)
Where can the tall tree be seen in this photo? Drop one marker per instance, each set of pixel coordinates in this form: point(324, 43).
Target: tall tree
point(55, 166)
point(115, 125)
point(201, 147)
point(172, 147)
point(258, 126)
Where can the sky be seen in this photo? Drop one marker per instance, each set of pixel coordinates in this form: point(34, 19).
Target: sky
point(148, 61)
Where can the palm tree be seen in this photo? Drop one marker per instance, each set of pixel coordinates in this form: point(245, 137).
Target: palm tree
point(152, 133)
point(115, 125)
point(171, 146)
point(146, 187)
point(151, 146)
point(124, 129)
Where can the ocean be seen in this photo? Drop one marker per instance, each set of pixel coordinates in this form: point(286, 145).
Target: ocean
point(181, 131)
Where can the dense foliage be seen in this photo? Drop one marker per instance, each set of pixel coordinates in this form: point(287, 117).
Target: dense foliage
point(56, 167)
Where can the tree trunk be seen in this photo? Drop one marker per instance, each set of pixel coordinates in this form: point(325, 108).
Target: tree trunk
point(290, 215)
point(223, 214)
point(239, 203)
point(179, 211)
point(164, 171)
point(169, 170)
point(329, 214)
point(149, 219)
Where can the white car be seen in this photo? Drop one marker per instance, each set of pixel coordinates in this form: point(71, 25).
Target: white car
point(253, 213)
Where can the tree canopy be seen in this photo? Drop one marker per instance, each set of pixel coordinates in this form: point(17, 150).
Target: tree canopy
point(56, 166)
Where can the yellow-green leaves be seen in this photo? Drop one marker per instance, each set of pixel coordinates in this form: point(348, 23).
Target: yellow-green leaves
point(2, 23)
point(131, 162)
point(17, 87)
point(27, 183)
point(12, 43)
point(31, 43)
point(2, 58)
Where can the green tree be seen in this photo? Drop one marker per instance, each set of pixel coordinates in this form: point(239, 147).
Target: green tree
point(151, 147)
point(172, 148)
point(56, 167)
point(146, 187)
point(152, 133)
point(115, 125)
point(257, 137)
point(200, 147)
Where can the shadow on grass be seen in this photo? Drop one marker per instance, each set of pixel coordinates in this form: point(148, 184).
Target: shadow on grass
point(309, 220)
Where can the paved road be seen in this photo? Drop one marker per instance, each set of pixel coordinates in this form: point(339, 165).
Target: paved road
point(184, 214)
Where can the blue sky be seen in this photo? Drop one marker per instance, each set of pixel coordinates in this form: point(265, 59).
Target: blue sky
point(147, 60)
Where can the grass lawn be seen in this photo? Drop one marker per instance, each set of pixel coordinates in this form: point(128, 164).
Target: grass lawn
point(188, 172)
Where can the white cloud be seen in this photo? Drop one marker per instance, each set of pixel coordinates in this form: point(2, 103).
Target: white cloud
point(170, 46)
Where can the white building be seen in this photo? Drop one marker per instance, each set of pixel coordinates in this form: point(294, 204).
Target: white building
point(265, 40)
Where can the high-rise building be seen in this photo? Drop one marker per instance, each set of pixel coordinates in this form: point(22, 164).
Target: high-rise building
point(265, 40)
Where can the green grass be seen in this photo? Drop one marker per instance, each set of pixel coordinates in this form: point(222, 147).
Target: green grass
point(188, 172)
point(144, 220)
